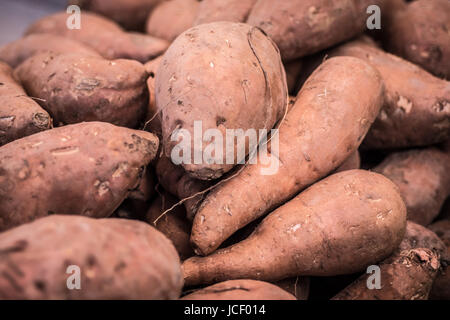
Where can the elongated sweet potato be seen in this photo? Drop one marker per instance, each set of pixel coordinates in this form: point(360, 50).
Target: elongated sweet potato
point(405, 276)
point(416, 110)
point(173, 225)
point(242, 289)
point(350, 214)
point(220, 76)
point(325, 126)
point(114, 259)
point(303, 27)
point(219, 10)
point(16, 52)
point(86, 169)
point(75, 88)
point(423, 177)
point(20, 115)
point(419, 33)
point(441, 286)
point(102, 35)
point(131, 14)
point(171, 18)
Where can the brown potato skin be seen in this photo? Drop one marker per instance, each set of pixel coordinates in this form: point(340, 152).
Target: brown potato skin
point(304, 27)
point(307, 151)
point(219, 10)
point(83, 169)
point(20, 115)
point(441, 286)
point(118, 259)
point(350, 214)
point(241, 289)
point(130, 14)
point(419, 33)
point(216, 73)
point(351, 163)
point(416, 110)
point(423, 177)
point(153, 120)
point(76, 88)
point(408, 275)
point(171, 18)
point(297, 286)
point(18, 51)
point(173, 224)
point(102, 35)
point(417, 236)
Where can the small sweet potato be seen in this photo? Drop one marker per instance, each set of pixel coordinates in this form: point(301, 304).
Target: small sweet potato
point(350, 214)
point(441, 286)
point(75, 88)
point(416, 110)
point(304, 27)
point(85, 169)
point(408, 275)
point(241, 289)
point(102, 35)
point(219, 10)
point(130, 14)
point(214, 74)
point(325, 126)
point(419, 33)
point(171, 18)
point(115, 258)
point(20, 115)
point(16, 52)
point(423, 177)
point(173, 224)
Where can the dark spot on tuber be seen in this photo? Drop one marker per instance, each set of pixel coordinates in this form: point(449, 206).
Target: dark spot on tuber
point(40, 285)
point(220, 120)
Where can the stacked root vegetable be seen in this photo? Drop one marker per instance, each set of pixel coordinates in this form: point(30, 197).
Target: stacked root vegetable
point(359, 130)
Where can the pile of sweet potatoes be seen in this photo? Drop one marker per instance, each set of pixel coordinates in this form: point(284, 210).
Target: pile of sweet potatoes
point(227, 150)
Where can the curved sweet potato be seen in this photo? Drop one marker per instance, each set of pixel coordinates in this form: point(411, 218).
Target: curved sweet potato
point(419, 33)
point(416, 110)
point(117, 259)
point(423, 177)
point(20, 115)
point(350, 214)
point(86, 169)
point(408, 275)
point(214, 74)
point(240, 290)
point(171, 18)
point(325, 126)
point(102, 35)
point(16, 52)
point(75, 88)
point(304, 27)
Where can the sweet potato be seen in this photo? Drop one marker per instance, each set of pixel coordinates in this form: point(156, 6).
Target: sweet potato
point(423, 177)
point(352, 162)
point(417, 236)
point(325, 126)
point(153, 119)
point(175, 180)
point(75, 88)
point(216, 73)
point(416, 109)
point(293, 71)
point(304, 27)
point(350, 214)
point(131, 14)
point(20, 115)
point(173, 224)
point(406, 276)
point(171, 18)
point(419, 33)
point(102, 35)
point(219, 10)
point(241, 289)
point(86, 169)
point(298, 286)
point(441, 286)
point(117, 259)
point(16, 52)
